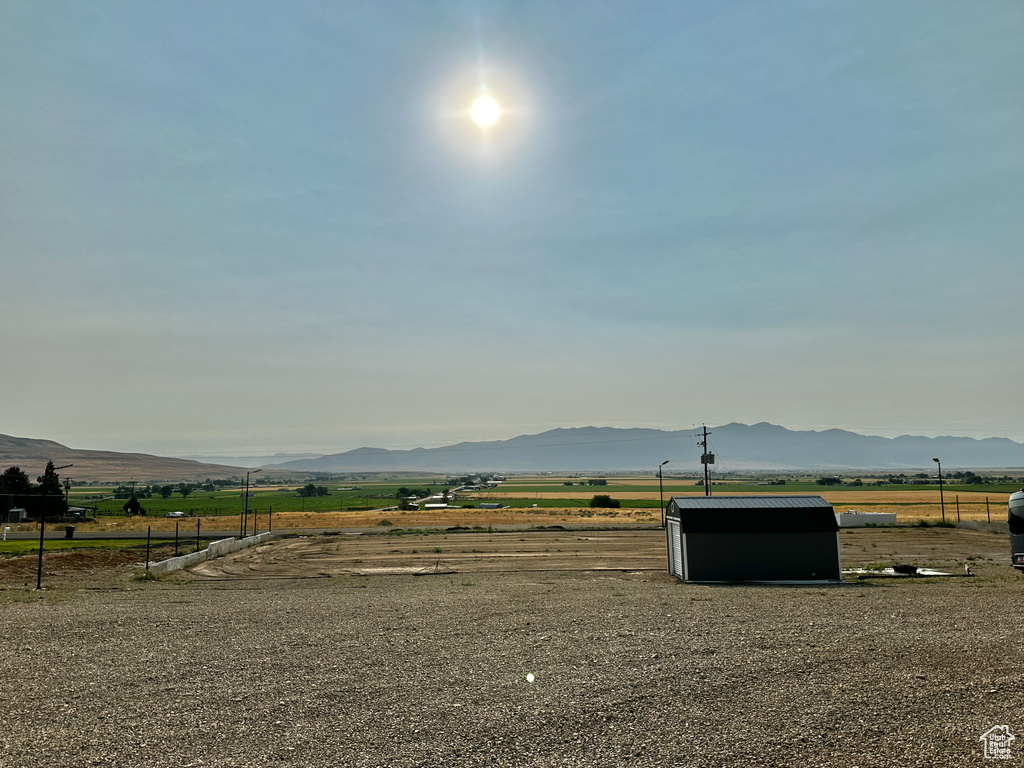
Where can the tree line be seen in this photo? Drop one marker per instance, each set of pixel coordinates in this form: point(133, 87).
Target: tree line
point(46, 494)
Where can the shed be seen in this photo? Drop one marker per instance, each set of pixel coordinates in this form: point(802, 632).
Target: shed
point(16, 515)
point(752, 538)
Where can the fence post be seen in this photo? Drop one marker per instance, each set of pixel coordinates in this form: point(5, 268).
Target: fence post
point(270, 526)
point(149, 533)
point(175, 538)
point(958, 508)
point(988, 511)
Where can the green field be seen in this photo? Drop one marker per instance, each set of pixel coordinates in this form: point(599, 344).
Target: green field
point(515, 493)
point(230, 502)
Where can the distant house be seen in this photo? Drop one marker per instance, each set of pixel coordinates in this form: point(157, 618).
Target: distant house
point(752, 538)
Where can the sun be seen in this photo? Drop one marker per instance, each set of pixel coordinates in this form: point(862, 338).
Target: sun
point(485, 111)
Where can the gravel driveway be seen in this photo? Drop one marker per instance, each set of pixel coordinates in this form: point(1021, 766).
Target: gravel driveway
point(629, 669)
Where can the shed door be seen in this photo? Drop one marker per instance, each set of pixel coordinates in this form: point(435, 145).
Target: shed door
point(675, 553)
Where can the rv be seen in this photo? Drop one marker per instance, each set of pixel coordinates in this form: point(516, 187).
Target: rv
point(1016, 521)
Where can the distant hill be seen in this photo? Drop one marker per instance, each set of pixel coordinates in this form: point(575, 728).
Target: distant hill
point(738, 447)
point(31, 455)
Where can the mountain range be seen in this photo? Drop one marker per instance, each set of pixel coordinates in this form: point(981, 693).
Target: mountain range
point(737, 447)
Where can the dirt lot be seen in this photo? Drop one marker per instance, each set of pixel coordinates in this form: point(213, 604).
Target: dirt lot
point(527, 656)
point(538, 551)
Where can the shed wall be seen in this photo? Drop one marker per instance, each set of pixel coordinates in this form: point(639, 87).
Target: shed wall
point(788, 556)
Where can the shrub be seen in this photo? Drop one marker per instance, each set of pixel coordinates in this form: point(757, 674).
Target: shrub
point(604, 501)
point(385, 522)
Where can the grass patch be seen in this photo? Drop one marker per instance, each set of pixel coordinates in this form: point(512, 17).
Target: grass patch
point(15, 548)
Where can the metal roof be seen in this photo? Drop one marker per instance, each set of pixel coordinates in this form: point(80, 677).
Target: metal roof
point(772, 501)
point(752, 514)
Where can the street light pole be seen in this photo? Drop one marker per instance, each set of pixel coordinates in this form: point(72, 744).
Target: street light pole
point(661, 492)
point(42, 529)
point(942, 501)
point(245, 518)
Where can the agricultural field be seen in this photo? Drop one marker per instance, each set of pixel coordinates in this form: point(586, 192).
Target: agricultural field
point(526, 500)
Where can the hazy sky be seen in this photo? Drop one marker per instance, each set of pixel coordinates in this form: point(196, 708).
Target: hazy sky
point(261, 226)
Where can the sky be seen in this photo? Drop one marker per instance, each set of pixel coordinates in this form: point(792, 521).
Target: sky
point(248, 227)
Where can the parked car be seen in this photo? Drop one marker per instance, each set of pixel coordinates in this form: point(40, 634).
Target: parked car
point(175, 513)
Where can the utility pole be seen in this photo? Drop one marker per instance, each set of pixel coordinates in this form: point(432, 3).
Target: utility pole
point(661, 493)
point(942, 500)
point(706, 459)
point(42, 530)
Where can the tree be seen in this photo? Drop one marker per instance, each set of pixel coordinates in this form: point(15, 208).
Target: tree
point(309, 490)
point(15, 482)
point(51, 490)
point(14, 488)
point(830, 481)
point(49, 482)
point(132, 507)
point(185, 489)
point(166, 491)
point(604, 501)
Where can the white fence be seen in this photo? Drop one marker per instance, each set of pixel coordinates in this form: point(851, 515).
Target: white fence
point(214, 549)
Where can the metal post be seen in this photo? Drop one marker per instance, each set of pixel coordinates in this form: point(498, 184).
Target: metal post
point(255, 521)
point(988, 512)
point(149, 534)
point(198, 521)
point(245, 518)
point(270, 526)
point(42, 527)
point(175, 538)
point(661, 493)
point(958, 508)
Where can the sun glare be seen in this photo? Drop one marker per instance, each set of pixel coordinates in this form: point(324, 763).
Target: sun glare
point(485, 111)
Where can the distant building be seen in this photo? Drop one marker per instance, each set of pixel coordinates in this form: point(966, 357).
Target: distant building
point(752, 538)
point(851, 518)
point(16, 515)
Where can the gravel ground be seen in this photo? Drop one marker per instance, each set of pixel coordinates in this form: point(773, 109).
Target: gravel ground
point(630, 669)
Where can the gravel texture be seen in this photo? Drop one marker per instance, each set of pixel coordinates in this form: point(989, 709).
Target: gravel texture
point(630, 669)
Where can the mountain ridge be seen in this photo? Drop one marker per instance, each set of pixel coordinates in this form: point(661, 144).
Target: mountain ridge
point(31, 454)
point(739, 446)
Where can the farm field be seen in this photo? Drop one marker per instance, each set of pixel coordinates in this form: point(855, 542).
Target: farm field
point(528, 501)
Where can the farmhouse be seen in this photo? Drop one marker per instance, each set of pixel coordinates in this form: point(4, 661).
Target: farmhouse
point(752, 538)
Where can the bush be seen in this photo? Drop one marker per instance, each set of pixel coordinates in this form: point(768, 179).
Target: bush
point(385, 522)
point(604, 501)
